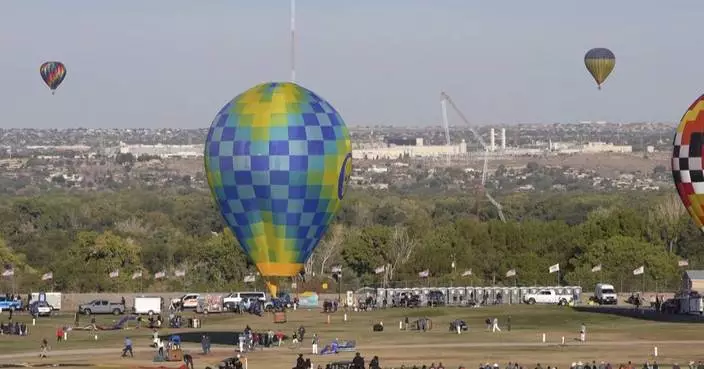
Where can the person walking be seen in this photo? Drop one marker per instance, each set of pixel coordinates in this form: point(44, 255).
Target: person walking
point(583, 333)
point(128, 348)
point(495, 326)
point(44, 348)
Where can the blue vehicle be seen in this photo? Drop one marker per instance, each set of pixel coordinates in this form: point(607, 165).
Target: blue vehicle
point(8, 304)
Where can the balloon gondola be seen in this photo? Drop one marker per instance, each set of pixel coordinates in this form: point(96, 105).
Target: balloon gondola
point(278, 158)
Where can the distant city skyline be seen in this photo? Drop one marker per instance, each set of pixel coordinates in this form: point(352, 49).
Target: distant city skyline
point(174, 63)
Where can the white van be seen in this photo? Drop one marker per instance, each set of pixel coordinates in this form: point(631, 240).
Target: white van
point(605, 294)
point(147, 305)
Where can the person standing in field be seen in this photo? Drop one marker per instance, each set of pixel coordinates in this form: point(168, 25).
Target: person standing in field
point(315, 344)
point(583, 333)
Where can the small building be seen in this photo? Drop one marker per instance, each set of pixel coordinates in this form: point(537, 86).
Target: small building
point(693, 280)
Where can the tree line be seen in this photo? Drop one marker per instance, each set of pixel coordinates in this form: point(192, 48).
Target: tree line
point(82, 237)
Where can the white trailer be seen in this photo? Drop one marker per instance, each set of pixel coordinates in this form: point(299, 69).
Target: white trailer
point(147, 305)
point(52, 298)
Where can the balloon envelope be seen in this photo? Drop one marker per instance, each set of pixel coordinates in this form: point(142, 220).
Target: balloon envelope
point(687, 161)
point(278, 158)
point(53, 73)
point(600, 62)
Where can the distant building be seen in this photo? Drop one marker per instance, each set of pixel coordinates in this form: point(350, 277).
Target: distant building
point(160, 150)
point(414, 151)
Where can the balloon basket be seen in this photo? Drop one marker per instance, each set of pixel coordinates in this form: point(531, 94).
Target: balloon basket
point(280, 317)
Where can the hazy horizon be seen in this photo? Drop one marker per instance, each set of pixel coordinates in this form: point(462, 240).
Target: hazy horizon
point(175, 63)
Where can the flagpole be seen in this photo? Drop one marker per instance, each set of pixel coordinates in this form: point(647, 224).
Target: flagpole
point(558, 278)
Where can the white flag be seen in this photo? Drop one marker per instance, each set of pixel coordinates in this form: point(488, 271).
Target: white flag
point(424, 274)
point(47, 276)
point(115, 273)
point(380, 270)
point(596, 268)
point(683, 263)
point(249, 278)
point(336, 269)
point(8, 273)
point(467, 273)
point(511, 273)
point(639, 271)
point(180, 273)
point(159, 275)
point(136, 275)
point(554, 268)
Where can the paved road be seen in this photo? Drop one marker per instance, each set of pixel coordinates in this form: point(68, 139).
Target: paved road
point(107, 351)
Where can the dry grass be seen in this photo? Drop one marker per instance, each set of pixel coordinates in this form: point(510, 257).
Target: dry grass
point(614, 339)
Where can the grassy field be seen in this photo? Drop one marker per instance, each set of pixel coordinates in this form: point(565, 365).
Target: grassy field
point(610, 338)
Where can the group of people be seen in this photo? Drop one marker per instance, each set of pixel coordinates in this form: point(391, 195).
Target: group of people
point(14, 329)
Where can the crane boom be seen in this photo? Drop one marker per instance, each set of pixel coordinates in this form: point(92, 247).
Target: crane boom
point(479, 138)
point(447, 99)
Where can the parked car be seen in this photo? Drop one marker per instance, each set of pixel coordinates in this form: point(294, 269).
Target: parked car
point(547, 297)
point(9, 304)
point(40, 308)
point(102, 307)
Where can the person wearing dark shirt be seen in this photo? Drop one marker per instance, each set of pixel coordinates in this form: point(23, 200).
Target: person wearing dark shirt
point(358, 361)
point(188, 360)
point(308, 364)
point(374, 364)
point(300, 362)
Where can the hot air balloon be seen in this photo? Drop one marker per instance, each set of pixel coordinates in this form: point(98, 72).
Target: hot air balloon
point(600, 62)
point(278, 158)
point(687, 161)
point(53, 73)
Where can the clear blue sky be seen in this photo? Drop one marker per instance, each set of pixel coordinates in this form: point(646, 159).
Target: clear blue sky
point(174, 63)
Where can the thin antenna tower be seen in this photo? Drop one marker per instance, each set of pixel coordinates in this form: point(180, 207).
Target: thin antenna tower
point(446, 125)
point(293, 41)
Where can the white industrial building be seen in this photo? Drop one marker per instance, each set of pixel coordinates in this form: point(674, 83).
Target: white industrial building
point(160, 150)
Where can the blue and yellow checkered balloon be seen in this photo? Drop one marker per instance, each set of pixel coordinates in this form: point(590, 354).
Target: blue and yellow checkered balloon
point(278, 158)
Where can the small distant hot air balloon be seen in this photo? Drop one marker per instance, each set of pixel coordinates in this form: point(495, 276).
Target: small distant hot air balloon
point(53, 73)
point(600, 62)
point(687, 161)
point(278, 158)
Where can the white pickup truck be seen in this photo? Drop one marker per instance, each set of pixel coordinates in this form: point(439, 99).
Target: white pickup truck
point(547, 297)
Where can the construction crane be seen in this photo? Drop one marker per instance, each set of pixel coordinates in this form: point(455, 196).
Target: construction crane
point(446, 99)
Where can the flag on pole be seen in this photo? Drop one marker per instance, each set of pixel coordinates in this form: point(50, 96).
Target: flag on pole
point(115, 273)
point(511, 273)
point(467, 273)
point(180, 273)
point(136, 275)
point(8, 272)
point(424, 274)
point(249, 278)
point(380, 269)
point(596, 268)
point(160, 275)
point(554, 268)
point(683, 263)
point(47, 276)
point(639, 271)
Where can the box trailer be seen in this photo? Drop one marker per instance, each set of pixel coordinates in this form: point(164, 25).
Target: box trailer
point(52, 298)
point(147, 305)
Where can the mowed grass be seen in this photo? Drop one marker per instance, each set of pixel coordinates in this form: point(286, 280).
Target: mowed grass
point(611, 338)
